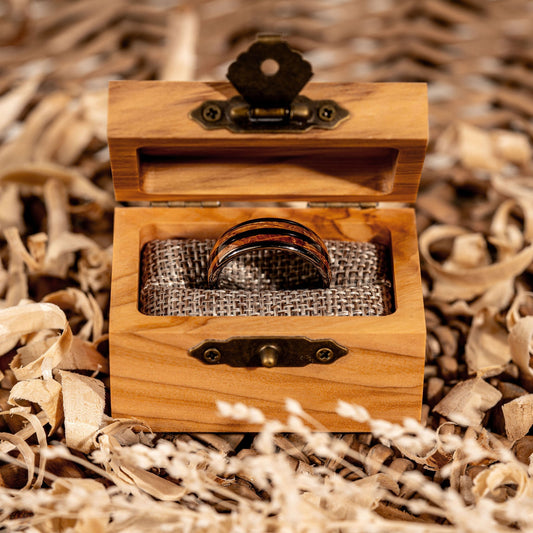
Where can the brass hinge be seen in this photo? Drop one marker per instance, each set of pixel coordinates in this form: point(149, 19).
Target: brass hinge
point(208, 203)
point(217, 203)
point(353, 205)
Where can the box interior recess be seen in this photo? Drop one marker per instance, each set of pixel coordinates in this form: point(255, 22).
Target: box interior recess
point(173, 281)
point(319, 168)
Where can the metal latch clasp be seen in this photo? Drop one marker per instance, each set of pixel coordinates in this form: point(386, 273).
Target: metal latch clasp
point(269, 77)
point(268, 351)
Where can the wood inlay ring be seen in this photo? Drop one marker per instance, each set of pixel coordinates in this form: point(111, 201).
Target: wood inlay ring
point(269, 234)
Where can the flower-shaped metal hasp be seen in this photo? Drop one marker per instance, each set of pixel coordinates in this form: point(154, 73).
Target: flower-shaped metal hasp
point(270, 74)
point(269, 77)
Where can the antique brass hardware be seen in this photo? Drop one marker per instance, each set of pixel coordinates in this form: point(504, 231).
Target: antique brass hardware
point(354, 205)
point(268, 351)
point(269, 354)
point(269, 77)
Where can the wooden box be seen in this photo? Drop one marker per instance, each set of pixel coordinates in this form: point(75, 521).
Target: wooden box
point(158, 154)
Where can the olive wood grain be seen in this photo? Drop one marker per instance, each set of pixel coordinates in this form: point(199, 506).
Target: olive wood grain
point(153, 377)
point(159, 154)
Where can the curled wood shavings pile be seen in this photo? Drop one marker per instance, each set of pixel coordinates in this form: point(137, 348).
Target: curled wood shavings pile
point(65, 465)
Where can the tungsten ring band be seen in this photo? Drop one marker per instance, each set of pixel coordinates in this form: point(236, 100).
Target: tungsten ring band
point(269, 234)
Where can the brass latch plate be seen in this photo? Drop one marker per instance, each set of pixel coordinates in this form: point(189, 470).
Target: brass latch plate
point(269, 77)
point(268, 351)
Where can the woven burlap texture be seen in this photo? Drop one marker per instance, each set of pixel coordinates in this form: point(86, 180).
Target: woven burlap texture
point(264, 282)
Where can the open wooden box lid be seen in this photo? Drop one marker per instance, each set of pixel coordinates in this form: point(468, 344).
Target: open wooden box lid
point(159, 153)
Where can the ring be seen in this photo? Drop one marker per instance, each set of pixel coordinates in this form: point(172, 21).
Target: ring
point(269, 234)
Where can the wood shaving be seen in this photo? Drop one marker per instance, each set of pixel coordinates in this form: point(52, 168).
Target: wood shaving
point(487, 349)
point(44, 392)
point(84, 355)
point(10, 208)
point(20, 320)
point(34, 363)
point(16, 281)
point(182, 35)
point(15, 101)
point(27, 454)
point(454, 280)
point(518, 416)
point(83, 405)
point(492, 481)
point(77, 185)
point(157, 487)
point(25, 433)
point(467, 403)
point(479, 149)
point(520, 342)
point(79, 302)
point(21, 148)
point(82, 519)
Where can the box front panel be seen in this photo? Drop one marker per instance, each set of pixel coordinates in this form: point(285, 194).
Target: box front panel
point(153, 376)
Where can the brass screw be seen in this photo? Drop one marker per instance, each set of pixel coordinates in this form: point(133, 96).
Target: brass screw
point(212, 355)
point(212, 113)
point(324, 355)
point(326, 113)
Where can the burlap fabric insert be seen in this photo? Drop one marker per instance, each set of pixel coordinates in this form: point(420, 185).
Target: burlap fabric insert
point(264, 283)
